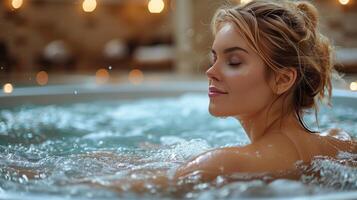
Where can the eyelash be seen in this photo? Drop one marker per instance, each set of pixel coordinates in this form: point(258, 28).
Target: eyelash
point(234, 64)
point(230, 64)
point(214, 60)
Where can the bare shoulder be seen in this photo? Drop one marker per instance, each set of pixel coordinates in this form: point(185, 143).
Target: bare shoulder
point(263, 156)
point(340, 139)
point(338, 134)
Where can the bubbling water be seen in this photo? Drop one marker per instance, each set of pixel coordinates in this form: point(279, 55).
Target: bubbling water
point(80, 151)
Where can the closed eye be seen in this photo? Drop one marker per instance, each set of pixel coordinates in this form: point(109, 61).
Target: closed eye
point(234, 65)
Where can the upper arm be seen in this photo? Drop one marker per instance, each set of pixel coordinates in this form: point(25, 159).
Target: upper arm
point(336, 144)
point(338, 133)
point(217, 162)
point(248, 159)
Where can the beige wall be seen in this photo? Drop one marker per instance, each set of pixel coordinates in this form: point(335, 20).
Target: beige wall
point(339, 22)
point(336, 21)
point(29, 29)
point(194, 37)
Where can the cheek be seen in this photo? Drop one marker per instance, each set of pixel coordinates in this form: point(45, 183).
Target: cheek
point(249, 92)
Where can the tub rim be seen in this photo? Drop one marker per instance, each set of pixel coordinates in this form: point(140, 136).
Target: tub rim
point(59, 94)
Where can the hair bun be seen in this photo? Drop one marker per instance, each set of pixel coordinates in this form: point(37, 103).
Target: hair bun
point(310, 12)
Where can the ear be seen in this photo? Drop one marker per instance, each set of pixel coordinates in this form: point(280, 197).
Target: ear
point(284, 80)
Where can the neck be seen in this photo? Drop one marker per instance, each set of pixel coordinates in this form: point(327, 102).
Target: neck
point(267, 121)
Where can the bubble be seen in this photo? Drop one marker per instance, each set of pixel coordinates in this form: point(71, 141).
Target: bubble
point(29, 135)
point(25, 178)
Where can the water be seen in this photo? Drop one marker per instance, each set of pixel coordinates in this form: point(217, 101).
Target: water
point(63, 150)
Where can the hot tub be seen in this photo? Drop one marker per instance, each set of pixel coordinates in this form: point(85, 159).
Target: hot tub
point(53, 136)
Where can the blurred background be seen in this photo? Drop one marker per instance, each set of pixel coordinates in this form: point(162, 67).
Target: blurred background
point(44, 42)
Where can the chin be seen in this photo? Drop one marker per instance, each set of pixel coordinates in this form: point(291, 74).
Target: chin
point(217, 112)
point(224, 112)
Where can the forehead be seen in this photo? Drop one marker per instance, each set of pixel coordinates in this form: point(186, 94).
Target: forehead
point(228, 36)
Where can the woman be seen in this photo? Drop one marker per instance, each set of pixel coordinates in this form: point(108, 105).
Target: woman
point(269, 64)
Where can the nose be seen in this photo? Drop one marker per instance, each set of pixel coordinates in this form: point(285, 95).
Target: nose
point(212, 74)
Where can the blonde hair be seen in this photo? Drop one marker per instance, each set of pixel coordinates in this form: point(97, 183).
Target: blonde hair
point(285, 34)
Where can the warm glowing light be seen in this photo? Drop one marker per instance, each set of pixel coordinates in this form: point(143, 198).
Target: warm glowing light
point(353, 86)
point(89, 5)
point(344, 2)
point(42, 78)
point(16, 4)
point(156, 6)
point(8, 88)
point(136, 76)
point(245, 1)
point(101, 76)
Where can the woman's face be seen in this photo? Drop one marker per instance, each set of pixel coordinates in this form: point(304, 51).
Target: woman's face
point(239, 72)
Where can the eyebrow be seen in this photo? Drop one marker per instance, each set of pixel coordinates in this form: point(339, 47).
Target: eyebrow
point(230, 49)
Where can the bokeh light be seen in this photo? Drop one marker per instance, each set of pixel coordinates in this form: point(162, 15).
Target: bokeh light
point(245, 1)
point(8, 88)
point(16, 4)
point(89, 5)
point(353, 86)
point(156, 6)
point(42, 78)
point(102, 76)
point(136, 76)
point(344, 2)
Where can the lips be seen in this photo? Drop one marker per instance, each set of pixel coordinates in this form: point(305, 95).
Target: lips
point(215, 90)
